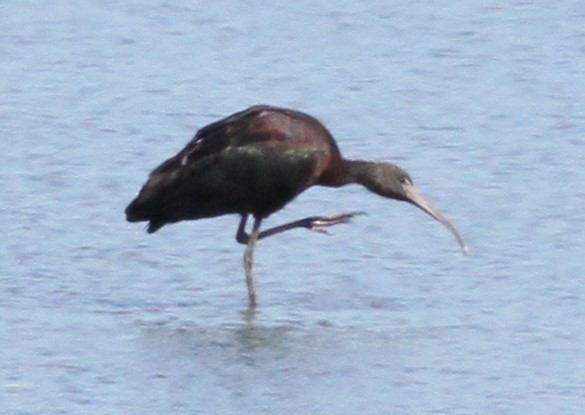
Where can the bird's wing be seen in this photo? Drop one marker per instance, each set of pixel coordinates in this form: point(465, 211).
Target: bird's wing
point(239, 129)
point(233, 131)
point(208, 140)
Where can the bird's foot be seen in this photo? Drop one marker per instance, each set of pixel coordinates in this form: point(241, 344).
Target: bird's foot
point(314, 223)
point(318, 223)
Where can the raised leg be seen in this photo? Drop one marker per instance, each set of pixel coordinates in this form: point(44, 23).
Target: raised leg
point(314, 223)
point(248, 260)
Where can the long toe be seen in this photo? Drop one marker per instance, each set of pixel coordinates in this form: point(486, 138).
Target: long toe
point(323, 221)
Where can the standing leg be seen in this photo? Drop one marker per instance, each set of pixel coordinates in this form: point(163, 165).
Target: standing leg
point(248, 259)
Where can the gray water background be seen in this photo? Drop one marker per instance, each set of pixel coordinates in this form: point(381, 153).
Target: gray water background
point(483, 102)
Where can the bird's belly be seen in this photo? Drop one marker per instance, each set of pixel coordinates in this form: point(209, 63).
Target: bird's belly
point(257, 182)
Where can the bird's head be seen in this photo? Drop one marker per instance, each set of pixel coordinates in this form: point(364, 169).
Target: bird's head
point(391, 181)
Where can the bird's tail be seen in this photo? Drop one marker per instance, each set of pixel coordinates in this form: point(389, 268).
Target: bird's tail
point(136, 211)
point(148, 205)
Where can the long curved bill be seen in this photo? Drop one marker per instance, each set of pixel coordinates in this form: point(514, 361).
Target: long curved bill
point(414, 197)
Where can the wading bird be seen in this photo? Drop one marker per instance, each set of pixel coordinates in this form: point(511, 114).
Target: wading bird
point(254, 162)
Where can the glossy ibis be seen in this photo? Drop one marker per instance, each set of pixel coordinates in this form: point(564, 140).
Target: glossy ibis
point(254, 162)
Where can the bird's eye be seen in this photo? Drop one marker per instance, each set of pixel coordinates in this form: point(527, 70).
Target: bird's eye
point(405, 180)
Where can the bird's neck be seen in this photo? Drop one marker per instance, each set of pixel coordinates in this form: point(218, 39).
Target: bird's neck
point(361, 172)
point(349, 172)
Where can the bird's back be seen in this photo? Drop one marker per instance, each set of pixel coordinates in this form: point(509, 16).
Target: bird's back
point(254, 161)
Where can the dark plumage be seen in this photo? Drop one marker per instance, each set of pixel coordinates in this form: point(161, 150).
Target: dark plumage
point(253, 163)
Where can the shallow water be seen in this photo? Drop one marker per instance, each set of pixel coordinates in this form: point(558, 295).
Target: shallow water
point(483, 104)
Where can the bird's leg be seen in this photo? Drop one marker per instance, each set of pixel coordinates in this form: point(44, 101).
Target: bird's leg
point(249, 257)
point(317, 223)
point(314, 223)
point(241, 236)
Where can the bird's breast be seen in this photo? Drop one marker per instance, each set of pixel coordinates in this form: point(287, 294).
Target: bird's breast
point(268, 178)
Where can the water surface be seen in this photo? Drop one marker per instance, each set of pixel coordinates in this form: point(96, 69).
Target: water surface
point(481, 103)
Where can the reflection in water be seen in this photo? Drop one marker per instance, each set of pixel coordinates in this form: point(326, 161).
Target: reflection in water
point(241, 338)
point(258, 365)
